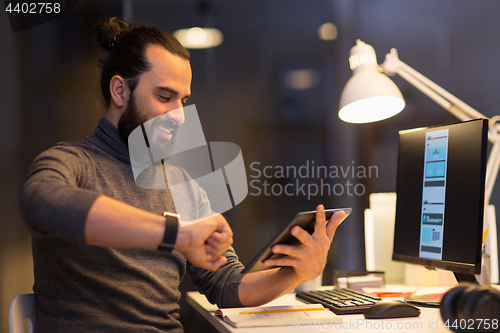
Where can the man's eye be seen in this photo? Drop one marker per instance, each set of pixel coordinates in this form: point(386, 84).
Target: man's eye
point(164, 98)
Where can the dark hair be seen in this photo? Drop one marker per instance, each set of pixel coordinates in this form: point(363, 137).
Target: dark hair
point(126, 43)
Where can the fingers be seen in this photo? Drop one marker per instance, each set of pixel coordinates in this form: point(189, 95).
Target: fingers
point(309, 258)
point(213, 265)
point(283, 261)
point(208, 258)
point(217, 221)
point(217, 247)
point(295, 255)
point(220, 238)
point(289, 250)
point(204, 241)
point(214, 231)
point(303, 236)
point(320, 225)
point(329, 227)
point(220, 224)
point(309, 250)
point(217, 244)
point(333, 223)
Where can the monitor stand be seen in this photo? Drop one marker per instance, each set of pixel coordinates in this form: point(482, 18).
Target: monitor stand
point(434, 300)
point(464, 277)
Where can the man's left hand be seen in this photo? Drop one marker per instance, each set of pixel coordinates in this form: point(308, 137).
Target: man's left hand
point(308, 260)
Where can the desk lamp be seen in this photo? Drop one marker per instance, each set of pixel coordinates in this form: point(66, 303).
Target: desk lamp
point(370, 96)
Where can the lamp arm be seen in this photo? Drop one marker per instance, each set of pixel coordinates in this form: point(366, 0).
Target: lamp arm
point(392, 65)
point(432, 94)
point(451, 103)
point(492, 169)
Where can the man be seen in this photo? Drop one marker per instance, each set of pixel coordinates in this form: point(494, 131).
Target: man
point(96, 233)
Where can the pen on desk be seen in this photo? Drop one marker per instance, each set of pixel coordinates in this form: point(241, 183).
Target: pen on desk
point(485, 233)
point(393, 293)
point(282, 310)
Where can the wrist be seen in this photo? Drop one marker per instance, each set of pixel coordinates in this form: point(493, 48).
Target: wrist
point(183, 237)
point(289, 274)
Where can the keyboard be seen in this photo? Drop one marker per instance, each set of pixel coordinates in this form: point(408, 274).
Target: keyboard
point(340, 301)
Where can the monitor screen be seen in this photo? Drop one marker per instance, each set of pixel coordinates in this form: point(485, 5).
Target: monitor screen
point(440, 196)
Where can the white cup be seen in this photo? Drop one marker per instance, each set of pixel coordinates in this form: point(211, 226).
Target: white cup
point(484, 277)
point(313, 284)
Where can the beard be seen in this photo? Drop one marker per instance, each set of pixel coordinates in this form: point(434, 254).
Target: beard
point(129, 121)
point(132, 118)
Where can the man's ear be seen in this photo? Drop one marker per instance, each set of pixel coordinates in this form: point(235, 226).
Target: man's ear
point(119, 91)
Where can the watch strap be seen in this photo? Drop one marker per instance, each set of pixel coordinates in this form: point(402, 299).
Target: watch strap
point(170, 234)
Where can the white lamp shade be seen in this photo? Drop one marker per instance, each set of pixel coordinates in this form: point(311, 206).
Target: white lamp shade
point(370, 96)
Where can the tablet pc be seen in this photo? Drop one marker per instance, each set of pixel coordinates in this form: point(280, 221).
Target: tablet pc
point(305, 220)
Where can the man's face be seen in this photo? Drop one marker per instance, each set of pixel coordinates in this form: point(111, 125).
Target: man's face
point(163, 90)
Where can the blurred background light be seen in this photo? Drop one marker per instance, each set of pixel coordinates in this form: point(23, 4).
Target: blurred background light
point(328, 31)
point(199, 38)
point(302, 79)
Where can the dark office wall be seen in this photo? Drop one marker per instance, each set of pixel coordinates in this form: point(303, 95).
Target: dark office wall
point(454, 43)
point(49, 93)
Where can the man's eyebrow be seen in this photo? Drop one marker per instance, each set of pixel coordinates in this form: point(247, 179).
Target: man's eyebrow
point(172, 91)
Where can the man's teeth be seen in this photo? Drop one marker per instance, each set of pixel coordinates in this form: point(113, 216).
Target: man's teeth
point(164, 129)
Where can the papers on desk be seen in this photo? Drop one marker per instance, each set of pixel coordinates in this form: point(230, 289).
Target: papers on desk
point(277, 315)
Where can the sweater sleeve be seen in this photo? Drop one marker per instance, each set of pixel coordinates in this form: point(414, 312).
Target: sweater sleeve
point(53, 202)
point(221, 286)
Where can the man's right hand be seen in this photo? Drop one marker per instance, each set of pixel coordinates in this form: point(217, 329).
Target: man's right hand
point(112, 223)
point(204, 241)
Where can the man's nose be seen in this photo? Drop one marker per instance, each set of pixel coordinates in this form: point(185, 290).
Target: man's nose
point(177, 115)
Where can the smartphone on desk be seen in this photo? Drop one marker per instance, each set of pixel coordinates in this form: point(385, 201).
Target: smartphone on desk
point(305, 220)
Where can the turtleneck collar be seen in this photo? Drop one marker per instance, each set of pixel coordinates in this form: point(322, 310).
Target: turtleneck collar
point(109, 140)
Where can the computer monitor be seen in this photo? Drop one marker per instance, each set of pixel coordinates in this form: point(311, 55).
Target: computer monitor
point(440, 197)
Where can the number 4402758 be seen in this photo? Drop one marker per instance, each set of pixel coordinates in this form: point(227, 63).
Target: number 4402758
point(472, 324)
point(34, 8)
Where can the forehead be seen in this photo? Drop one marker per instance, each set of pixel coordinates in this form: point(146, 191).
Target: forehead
point(167, 69)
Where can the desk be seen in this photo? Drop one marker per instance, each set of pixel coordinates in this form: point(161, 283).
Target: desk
point(429, 320)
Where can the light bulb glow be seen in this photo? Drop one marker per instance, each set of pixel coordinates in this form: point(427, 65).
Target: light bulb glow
point(196, 36)
point(328, 31)
point(199, 38)
point(371, 109)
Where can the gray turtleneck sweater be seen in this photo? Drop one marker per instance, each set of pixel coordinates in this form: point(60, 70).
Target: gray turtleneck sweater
point(81, 288)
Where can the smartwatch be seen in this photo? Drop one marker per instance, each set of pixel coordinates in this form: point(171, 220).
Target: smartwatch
point(170, 235)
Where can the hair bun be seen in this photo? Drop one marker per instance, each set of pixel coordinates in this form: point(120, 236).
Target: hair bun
point(106, 31)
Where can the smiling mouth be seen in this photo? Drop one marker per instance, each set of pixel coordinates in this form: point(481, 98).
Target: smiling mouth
point(164, 131)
